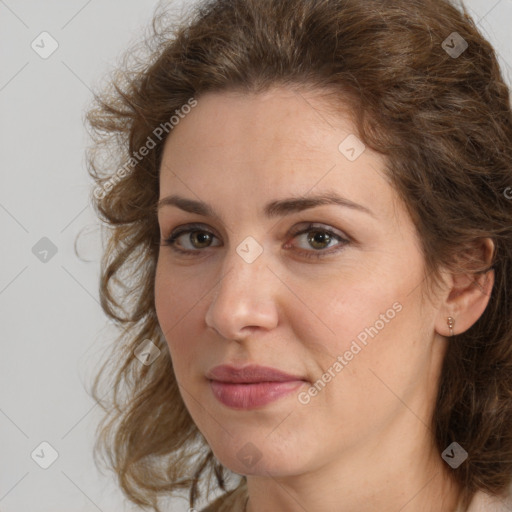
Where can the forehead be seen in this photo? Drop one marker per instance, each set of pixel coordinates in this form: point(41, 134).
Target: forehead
point(278, 143)
point(261, 121)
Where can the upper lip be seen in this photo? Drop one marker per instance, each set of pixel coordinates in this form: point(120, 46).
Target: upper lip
point(249, 374)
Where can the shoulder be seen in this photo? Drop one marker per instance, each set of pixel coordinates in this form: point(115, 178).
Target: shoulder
point(483, 502)
point(232, 501)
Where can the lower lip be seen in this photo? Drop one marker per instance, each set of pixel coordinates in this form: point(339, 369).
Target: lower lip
point(249, 396)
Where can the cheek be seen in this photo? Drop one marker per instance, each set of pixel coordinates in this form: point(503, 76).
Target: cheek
point(175, 294)
point(164, 299)
point(348, 307)
point(373, 322)
point(177, 308)
point(382, 346)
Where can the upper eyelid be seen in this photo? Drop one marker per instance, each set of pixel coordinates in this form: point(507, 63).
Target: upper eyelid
point(185, 228)
point(306, 226)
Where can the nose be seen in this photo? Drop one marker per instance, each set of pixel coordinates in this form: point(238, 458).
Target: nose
point(245, 297)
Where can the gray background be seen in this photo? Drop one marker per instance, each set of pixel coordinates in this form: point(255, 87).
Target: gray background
point(53, 330)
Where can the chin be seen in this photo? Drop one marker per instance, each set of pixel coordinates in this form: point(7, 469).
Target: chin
point(256, 455)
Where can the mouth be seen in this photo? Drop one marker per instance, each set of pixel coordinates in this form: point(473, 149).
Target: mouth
point(251, 386)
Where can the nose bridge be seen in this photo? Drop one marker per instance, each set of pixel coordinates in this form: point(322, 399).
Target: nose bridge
point(245, 271)
point(243, 296)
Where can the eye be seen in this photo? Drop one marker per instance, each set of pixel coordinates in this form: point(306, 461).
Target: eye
point(319, 238)
point(190, 239)
point(198, 238)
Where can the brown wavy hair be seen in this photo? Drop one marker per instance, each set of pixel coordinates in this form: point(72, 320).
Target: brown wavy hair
point(444, 124)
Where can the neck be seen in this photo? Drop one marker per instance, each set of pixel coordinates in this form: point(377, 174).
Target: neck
point(392, 473)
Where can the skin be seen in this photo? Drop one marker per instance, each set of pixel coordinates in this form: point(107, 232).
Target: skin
point(363, 443)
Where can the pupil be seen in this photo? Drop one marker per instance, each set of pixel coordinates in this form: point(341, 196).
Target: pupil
point(319, 237)
point(202, 237)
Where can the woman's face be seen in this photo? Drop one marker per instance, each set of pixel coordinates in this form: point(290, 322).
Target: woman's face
point(327, 292)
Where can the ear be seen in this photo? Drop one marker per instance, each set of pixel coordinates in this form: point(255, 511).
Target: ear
point(468, 294)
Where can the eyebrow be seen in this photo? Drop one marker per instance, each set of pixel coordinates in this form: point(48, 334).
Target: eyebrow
point(277, 208)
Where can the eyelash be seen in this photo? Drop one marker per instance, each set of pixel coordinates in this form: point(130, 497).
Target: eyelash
point(171, 241)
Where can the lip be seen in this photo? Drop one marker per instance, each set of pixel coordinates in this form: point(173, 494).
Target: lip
point(250, 374)
point(251, 386)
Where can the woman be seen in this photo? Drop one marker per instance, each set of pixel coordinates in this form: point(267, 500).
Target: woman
point(309, 253)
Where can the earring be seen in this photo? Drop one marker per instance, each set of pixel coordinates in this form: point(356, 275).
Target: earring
point(451, 323)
